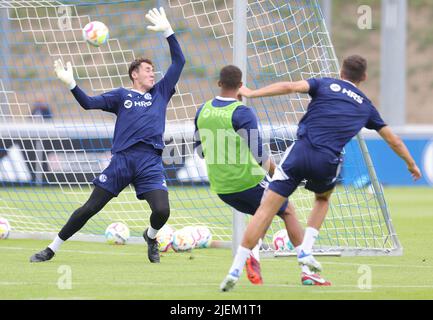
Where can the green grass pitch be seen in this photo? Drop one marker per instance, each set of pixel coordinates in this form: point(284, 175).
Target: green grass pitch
point(101, 271)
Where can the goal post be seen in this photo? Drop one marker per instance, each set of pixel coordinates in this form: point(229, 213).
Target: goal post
point(47, 163)
point(240, 31)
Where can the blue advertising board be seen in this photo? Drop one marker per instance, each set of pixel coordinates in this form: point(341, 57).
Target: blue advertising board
point(390, 169)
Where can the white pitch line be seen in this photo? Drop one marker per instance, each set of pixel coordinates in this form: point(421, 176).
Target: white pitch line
point(378, 265)
point(343, 291)
point(139, 253)
point(80, 251)
point(365, 264)
point(210, 256)
point(331, 289)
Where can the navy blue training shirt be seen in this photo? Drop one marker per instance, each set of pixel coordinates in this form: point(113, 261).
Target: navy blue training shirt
point(140, 116)
point(337, 112)
point(242, 118)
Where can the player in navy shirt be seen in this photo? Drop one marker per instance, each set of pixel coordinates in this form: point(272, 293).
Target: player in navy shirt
point(337, 112)
point(137, 143)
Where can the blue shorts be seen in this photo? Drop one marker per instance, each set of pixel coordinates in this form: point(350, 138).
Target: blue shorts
point(248, 201)
point(303, 162)
point(140, 165)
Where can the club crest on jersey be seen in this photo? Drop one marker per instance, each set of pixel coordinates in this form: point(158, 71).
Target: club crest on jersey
point(103, 178)
point(148, 96)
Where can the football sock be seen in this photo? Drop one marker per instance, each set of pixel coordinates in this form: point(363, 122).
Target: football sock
point(151, 233)
point(55, 245)
point(239, 261)
point(310, 237)
point(304, 269)
point(256, 250)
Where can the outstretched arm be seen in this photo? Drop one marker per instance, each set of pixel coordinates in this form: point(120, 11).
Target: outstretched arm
point(276, 89)
point(66, 75)
point(398, 146)
point(160, 21)
point(106, 102)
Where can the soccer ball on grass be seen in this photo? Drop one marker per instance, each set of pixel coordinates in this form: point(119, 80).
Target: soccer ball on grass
point(183, 239)
point(202, 236)
point(281, 241)
point(165, 238)
point(117, 233)
point(5, 228)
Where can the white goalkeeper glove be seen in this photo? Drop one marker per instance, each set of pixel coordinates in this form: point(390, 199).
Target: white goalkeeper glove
point(159, 19)
point(65, 75)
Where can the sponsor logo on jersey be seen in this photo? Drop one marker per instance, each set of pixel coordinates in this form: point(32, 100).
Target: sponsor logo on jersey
point(103, 178)
point(142, 103)
point(216, 112)
point(353, 95)
point(127, 104)
point(335, 87)
point(206, 113)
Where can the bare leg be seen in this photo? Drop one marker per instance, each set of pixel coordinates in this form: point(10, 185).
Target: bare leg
point(320, 209)
point(315, 221)
point(262, 219)
point(293, 227)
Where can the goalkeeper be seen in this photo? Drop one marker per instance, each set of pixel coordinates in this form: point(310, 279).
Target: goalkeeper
point(337, 112)
point(236, 174)
point(137, 143)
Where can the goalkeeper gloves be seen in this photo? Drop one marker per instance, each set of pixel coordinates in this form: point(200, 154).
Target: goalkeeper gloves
point(65, 75)
point(159, 19)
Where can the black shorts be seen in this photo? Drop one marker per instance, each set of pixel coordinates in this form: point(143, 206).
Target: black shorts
point(248, 201)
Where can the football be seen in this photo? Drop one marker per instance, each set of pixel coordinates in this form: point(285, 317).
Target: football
point(5, 228)
point(165, 238)
point(183, 239)
point(202, 236)
point(117, 233)
point(96, 33)
point(281, 241)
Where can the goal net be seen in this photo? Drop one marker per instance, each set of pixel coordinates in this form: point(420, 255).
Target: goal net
point(51, 149)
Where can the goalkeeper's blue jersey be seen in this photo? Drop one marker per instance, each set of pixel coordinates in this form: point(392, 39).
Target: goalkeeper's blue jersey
point(337, 112)
point(140, 115)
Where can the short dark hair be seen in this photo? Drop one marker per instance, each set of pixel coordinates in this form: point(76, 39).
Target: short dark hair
point(136, 64)
point(230, 77)
point(354, 68)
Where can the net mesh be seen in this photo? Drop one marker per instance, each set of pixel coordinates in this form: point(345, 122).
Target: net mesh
point(48, 162)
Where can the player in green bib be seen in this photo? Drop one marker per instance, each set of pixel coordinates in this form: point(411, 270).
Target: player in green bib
point(228, 137)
